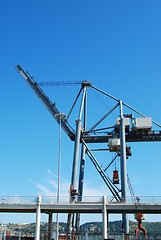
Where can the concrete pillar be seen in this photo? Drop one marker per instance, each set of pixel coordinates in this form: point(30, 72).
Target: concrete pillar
point(38, 211)
point(50, 226)
point(4, 236)
point(86, 235)
point(104, 220)
point(19, 236)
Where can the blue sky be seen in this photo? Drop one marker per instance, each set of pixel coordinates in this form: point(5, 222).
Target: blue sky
point(114, 44)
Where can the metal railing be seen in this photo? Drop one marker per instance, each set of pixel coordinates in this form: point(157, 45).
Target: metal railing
point(8, 235)
point(66, 199)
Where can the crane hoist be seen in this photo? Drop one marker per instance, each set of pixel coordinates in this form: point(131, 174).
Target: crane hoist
point(139, 217)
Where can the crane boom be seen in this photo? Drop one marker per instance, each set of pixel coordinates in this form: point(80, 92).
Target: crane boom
point(47, 102)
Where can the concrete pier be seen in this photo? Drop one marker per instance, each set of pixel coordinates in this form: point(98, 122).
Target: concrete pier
point(50, 226)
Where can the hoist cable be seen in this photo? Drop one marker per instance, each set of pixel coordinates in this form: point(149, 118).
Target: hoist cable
point(58, 83)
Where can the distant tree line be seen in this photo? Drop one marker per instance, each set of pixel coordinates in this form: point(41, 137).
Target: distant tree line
point(91, 227)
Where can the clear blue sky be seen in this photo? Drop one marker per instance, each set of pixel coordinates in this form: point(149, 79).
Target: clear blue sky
point(114, 44)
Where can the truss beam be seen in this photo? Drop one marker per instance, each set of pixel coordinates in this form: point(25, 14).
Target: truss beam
point(154, 136)
point(46, 101)
point(114, 190)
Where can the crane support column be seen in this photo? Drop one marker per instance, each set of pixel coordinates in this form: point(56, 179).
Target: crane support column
point(76, 155)
point(37, 230)
point(123, 169)
point(80, 186)
point(74, 187)
point(82, 165)
point(77, 143)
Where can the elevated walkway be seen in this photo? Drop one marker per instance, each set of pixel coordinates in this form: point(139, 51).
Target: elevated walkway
point(149, 205)
point(89, 205)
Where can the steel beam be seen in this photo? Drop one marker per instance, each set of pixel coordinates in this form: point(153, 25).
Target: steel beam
point(46, 101)
point(82, 166)
point(76, 147)
point(81, 207)
point(154, 136)
point(123, 168)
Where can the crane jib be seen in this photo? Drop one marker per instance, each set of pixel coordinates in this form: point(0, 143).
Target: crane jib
point(20, 70)
point(46, 101)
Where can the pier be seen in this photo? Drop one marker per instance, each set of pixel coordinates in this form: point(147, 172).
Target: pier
point(89, 205)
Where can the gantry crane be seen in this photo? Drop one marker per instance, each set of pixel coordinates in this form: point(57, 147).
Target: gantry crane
point(127, 129)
